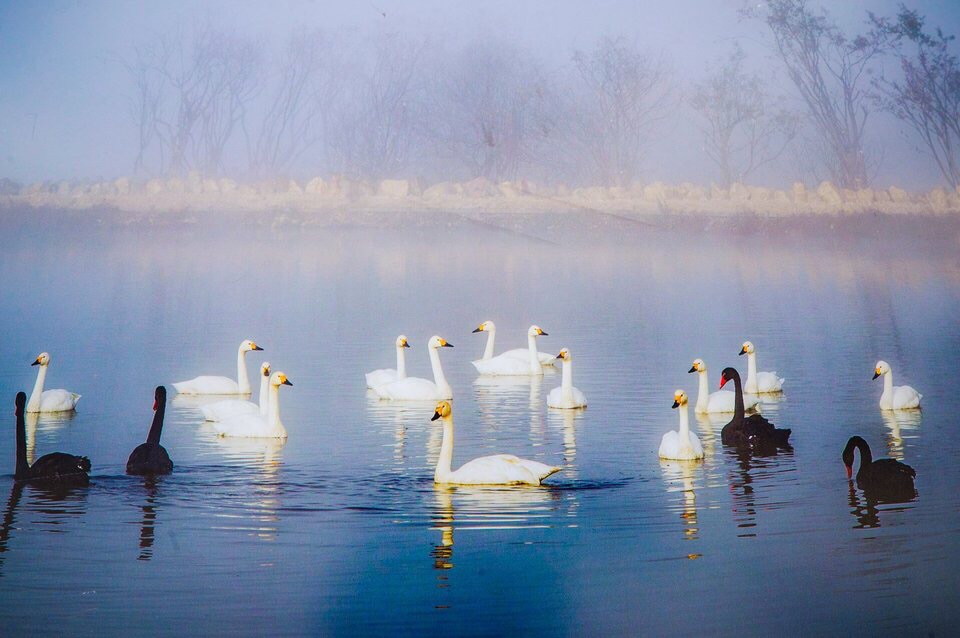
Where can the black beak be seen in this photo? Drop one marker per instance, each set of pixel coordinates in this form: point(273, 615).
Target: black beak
point(875, 373)
point(560, 356)
point(478, 330)
point(406, 345)
point(257, 348)
point(692, 369)
point(448, 345)
point(36, 363)
point(676, 404)
point(436, 415)
point(742, 351)
point(287, 382)
point(544, 334)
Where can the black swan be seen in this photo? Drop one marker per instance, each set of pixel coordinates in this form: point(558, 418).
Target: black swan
point(753, 431)
point(57, 467)
point(151, 457)
point(883, 475)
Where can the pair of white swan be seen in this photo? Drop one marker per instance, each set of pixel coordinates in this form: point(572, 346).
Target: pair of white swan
point(389, 375)
point(49, 400)
point(759, 382)
point(499, 469)
point(258, 425)
point(222, 385)
point(719, 401)
point(520, 353)
point(566, 397)
point(682, 445)
point(895, 397)
point(229, 408)
point(518, 362)
point(418, 389)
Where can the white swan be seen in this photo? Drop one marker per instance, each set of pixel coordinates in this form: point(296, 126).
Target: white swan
point(566, 396)
point(229, 408)
point(899, 397)
point(508, 364)
point(719, 401)
point(682, 445)
point(517, 353)
point(222, 385)
point(759, 382)
point(49, 400)
point(499, 469)
point(417, 389)
point(255, 425)
point(389, 375)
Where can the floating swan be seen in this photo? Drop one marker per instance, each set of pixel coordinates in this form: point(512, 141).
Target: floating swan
point(518, 353)
point(151, 458)
point(759, 382)
point(57, 467)
point(499, 469)
point(229, 408)
point(883, 477)
point(49, 400)
point(508, 364)
point(222, 385)
point(682, 445)
point(389, 375)
point(753, 432)
point(899, 397)
point(566, 396)
point(255, 425)
point(719, 401)
point(417, 389)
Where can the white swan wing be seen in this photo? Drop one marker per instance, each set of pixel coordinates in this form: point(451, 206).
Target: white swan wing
point(382, 377)
point(504, 365)
point(524, 355)
point(769, 382)
point(725, 401)
point(904, 398)
point(555, 399)
point(501, 469)
point(227, 409)
point(58, 401)
point(673, 447)
point(208, 385)
point(250, 426)
point(411, 389)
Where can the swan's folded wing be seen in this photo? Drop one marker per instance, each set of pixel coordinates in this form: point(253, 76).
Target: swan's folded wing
point(58, 401)
point(207, 385)
point(410, 389)
point(498, 469)
point(381, 377)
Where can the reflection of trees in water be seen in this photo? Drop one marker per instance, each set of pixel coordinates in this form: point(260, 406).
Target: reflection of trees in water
point(899, 423)
point(749, 472)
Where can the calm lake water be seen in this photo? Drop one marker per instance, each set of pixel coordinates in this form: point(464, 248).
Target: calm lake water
point(341, 531)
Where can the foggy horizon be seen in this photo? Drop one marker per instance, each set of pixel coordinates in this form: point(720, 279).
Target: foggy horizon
point(66, 93)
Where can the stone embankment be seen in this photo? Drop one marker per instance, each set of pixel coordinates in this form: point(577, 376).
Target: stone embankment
point(195, 194)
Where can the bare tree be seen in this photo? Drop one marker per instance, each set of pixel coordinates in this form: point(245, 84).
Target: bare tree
point(928, 96)
point(622, 95)
point(829, 70)
point(743, 129)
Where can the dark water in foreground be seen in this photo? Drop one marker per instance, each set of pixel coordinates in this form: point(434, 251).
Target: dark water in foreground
point(340, 530)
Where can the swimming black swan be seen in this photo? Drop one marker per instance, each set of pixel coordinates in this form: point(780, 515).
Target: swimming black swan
point(883, 475)
point(59, 468)
point(150, 457)
point(753, 431)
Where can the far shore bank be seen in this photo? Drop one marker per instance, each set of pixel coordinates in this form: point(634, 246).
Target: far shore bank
point(339, 200)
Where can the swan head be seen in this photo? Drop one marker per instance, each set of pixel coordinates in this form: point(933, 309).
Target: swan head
point(747, 348)
point(265, 368)
point(402, 342)
point(278, 379)
point(882, 367)
point(443, 410)
point(698, 366)
point(248, 345)
point(42, 359)
point(729, 374)
point(438, 342)
point(679, 398)
point(486, 326)
point(536, 331)
point(564, 354)
point(159, 397)
point(20, 401)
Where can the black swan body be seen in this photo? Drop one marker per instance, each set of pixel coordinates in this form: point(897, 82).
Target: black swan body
point(885, 476)
point(56, 468)
point(754, 431)
point(151, 457)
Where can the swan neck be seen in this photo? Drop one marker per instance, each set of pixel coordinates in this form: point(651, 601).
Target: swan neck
point(33, 405)
point(534, 355)
point(684, 422)
point(23, 468)
point(445, 459)
point(888, 383)
point(401, 363)
point(491, 336)
point(275, 407)
point(243, 381)
point(264, 395)
point(566, 382)
point(438, 378)
point(866, 457)
point(157, 426)
point(703, 391)
point(738, 410)
point(752, 372)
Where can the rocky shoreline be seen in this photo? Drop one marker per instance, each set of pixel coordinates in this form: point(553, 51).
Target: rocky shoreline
point(320, 196)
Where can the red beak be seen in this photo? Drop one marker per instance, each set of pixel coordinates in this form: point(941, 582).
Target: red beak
point(849, 471)
point(154, 405)
point(722, 381)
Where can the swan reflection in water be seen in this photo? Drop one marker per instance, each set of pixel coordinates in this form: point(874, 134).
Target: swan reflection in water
point(866, 509)
point(749, 472)
point(567, 422)
point(709, 427)
point(44, 423)
point(148, 521)
point(395, 418)
point(265, 456)
point(679, 477)
point(900, 424)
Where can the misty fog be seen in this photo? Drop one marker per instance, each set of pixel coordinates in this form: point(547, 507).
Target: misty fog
point(607, 94)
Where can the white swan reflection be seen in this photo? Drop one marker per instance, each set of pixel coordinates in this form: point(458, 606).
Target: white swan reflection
point(679, 477)
point(395, 418)
point(265, 457)
point(567, 421)
point(900, 423)
point(44, 423)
